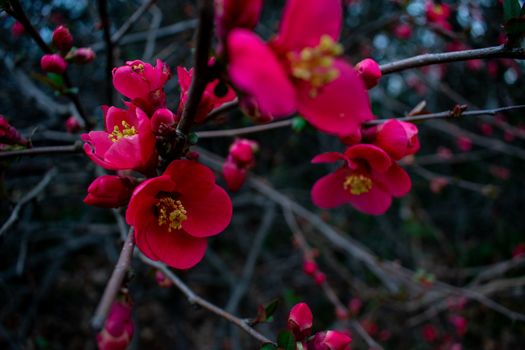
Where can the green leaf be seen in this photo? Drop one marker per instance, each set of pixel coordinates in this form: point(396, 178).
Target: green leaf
point(56, 79)
point(511, 8)
point(298, 124)
point(268, 346)
point(286, 340)
point(193, 138)
point(271, 307)
point(265, 312)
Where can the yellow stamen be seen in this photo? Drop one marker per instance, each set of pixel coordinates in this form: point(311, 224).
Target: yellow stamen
point(172, 213)
point(316, 64)
point(357, 184)
point(138, 68)
point(126, 131)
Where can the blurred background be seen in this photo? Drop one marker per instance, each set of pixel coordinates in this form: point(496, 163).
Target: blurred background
point(445, 265)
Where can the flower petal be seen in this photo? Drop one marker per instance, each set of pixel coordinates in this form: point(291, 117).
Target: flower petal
point(339, 107)
point(305, 21)
point(396, 180)
point(144, 197)
point(265, 82)
point(177, 249)
point(375, 202)
point(329, 157)
point(191, 178)
point(376, 158)
point(328, 192)
point(207, 216)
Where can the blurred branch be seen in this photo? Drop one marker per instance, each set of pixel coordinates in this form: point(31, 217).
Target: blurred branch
point(104, 20)
point(244, 131)
point(453, 56)
point(194, 299)
point(15, 10)
point(115, 38)
point(149, 48)
point(49, 150)
point(26, 198)
point(114, 284)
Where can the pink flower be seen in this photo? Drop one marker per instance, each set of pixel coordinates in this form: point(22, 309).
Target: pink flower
point(118, 330)
point(242, 151)
point(143, 83)
point(17, 30)
point(438, 14)
point(234, 175)
point(72, 125)
point(397, 138)
point(300, 70)
point(460, 324)
point(209, 100)
point(330, 340)
point(53, 64)
point(464, 143)
point(369, 71)
point(84, 55)
point(163, 121)
point(9, 136)
point(174, 214)
point(230, 14)
point(430, 333)
point(109, 191)
point(62, 39)
point(403, 31)
point(367, 180)
point(127, 143)
point(300, 321)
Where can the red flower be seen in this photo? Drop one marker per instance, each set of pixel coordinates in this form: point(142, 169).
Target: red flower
point(300, 321)
point(369, 71)
point(62, 39)
point(430, 333)
point(53, 64)
point(84, 55)
point(17, 30)
point(397, 138)
point(143, 83)
point(118, 330)
point(300, 70)
point(234, 175)
point(242, 151)
point(109, 191)
point(330, 340)
point(9, 136)
point(230, 14)
point(174, 214)
point(367, 181)
point(209, 100)
point(73, 125)
point(127, 143)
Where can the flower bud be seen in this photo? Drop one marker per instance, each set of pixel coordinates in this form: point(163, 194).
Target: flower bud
point(233, 175)
point(460, 324)
point(109, 191)
point(464, 143)
point(9, 136)
point(73, 125)
point(84, 55)
point(430, 333)
point(118, 330)
point(354, 306)
point(369, 71)
point(319, 278)
point(300, 321)
point(17, 30)
point(309, 267)
point(397, 138)
point(162, 280)
point(62, 39)
point(403, 31)
point(162, 121)
point(330, 340)
point(53, 64)
point(242, 151)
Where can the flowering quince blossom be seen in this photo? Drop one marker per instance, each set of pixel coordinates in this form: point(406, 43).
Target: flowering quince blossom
point(300, 321)
point(118, 330)
point(9, 136)
point(109, 191)
point(368, 180)
point(369, 71)
point(397, 138)
point(62, 39)
point(299, 70)
point(438, 14)
point(230, 14)
point(330, 340)
point(53, 63)
point(142, 83)
point(209, 100)
point(175, 213)
point(240, 159)
point(127, 143)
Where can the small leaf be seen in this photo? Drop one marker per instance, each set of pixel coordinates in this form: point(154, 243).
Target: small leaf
point(271, 307)
point(268, 346)
point(511, 8)
point(56, 79)
point(298, 124)
point(193, 138)
point(286, 340)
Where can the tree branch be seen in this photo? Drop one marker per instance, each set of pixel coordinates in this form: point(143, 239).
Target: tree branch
point(49, 150)
point(104, 20)
point(453, 56)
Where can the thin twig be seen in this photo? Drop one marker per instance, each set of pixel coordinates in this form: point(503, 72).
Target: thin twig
point(453, 56)
point(194, 299)
point(48, 150)
point(29, 196)
point(244, 131)
point(114, 284)
point(104, 20)
point(225, 107)
point(115, 38)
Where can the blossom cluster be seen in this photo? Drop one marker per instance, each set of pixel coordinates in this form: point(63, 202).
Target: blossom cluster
point(10, 138)
point(62, 43)
point(173, 209)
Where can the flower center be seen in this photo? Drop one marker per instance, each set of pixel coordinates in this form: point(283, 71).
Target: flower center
point(316, 64)
point(138, 68)
point(357, 184)
point(126, 131)
point(172, 213)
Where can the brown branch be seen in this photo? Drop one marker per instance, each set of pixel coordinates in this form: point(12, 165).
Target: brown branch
point(453, 56)
point(49, 150)
point(104, 20)
point(114, 284)
point(194, 299)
